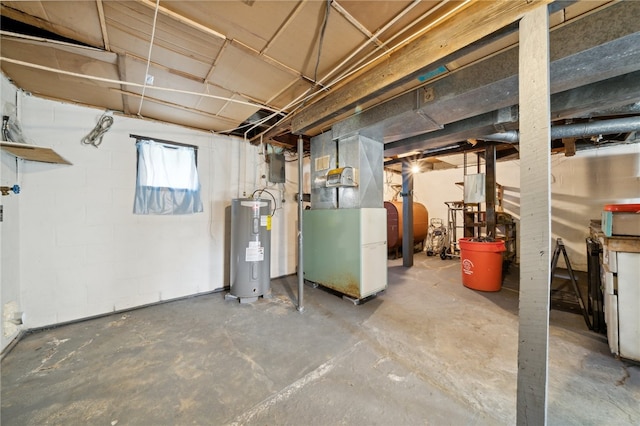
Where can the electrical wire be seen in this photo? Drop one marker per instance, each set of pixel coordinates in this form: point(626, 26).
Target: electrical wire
point(95, 136)
point(302, 99)
point(274, 198)
point(347, 73)
point(146, 73)
point(132, 84)
point(321, 41)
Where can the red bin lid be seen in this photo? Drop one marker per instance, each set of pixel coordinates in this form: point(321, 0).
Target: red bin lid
point(628, 208)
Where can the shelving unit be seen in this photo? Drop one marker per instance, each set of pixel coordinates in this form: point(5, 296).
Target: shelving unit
point(457, 211)
point(475, 227)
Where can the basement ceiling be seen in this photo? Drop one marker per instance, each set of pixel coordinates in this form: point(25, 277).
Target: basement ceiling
point(213, 64)
point(263, 69)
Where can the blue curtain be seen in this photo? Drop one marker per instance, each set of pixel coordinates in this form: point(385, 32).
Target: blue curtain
point(167, 181)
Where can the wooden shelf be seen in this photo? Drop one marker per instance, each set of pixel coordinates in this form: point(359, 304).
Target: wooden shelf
point(33, 152)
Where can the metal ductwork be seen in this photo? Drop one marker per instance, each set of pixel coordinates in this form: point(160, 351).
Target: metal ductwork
point(578, 130)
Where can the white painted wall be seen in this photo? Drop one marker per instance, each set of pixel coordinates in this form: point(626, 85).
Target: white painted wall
point(10, 302)
point(72, 248)
point(82, 252)
point(580, 185)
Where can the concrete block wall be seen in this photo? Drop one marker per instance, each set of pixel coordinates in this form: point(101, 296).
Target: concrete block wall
point(580, 186)
point(10, 302)
point(77, 248)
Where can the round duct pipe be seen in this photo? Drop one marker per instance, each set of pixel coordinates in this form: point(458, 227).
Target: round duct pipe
point(578, 130)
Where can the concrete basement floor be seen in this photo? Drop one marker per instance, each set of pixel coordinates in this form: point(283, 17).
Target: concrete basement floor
point(426, 351)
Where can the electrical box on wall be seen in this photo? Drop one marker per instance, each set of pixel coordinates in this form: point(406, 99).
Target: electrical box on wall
point(276, 168)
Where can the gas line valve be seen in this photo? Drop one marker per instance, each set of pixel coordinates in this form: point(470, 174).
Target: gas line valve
point(6, 189)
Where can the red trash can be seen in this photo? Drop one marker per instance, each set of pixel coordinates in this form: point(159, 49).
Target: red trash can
point(481, 264)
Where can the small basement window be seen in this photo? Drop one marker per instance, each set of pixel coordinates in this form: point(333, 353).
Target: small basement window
point(167, 178)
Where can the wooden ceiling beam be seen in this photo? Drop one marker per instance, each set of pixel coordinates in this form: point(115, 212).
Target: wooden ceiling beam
point(177, 106)
point(182, 19)
point(103, 25)
point(268, 59)
point(477, 21)
point(279, 128)
point(245, 48)
point(283, 26)
point(288, 140)
point(122, 74)
point(59, 29)
point(216, 60)
point(170, 70)
point(357, 24)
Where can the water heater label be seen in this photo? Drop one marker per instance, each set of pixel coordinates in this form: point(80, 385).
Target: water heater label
point(254, 254)
point(265, 220)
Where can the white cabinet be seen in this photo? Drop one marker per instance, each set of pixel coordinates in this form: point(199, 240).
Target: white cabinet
point(621, 270)
point(629, 304)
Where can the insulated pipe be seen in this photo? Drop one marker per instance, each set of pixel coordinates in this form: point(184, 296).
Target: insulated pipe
point(301, 99)
point(300, 211)
point(603, 127)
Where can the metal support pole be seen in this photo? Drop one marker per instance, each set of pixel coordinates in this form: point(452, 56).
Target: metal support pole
point(300, 211)
point(407, 215)
point(490, 189)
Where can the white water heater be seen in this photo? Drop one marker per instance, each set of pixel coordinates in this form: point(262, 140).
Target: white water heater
point(250, 269)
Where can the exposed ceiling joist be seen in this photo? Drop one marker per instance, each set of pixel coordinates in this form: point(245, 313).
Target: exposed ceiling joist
point(458, 131)
point(283, 26)
point(493, 83)
point(342, 11)
point(103, 25)
point(176, 16)
point(230, 121)
point(412, 60)
point(223, 66)
point(581, 101)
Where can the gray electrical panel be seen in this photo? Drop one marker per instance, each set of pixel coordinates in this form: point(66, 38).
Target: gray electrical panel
point(276, 168)
point(250, 269)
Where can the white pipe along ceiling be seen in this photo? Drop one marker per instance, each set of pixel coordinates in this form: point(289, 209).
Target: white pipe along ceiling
point(430, 74)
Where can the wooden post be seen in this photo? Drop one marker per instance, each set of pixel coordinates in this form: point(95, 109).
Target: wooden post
point(535, 218)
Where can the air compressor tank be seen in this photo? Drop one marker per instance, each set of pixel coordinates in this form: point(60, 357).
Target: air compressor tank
point(394, 224)
point(250, 269)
